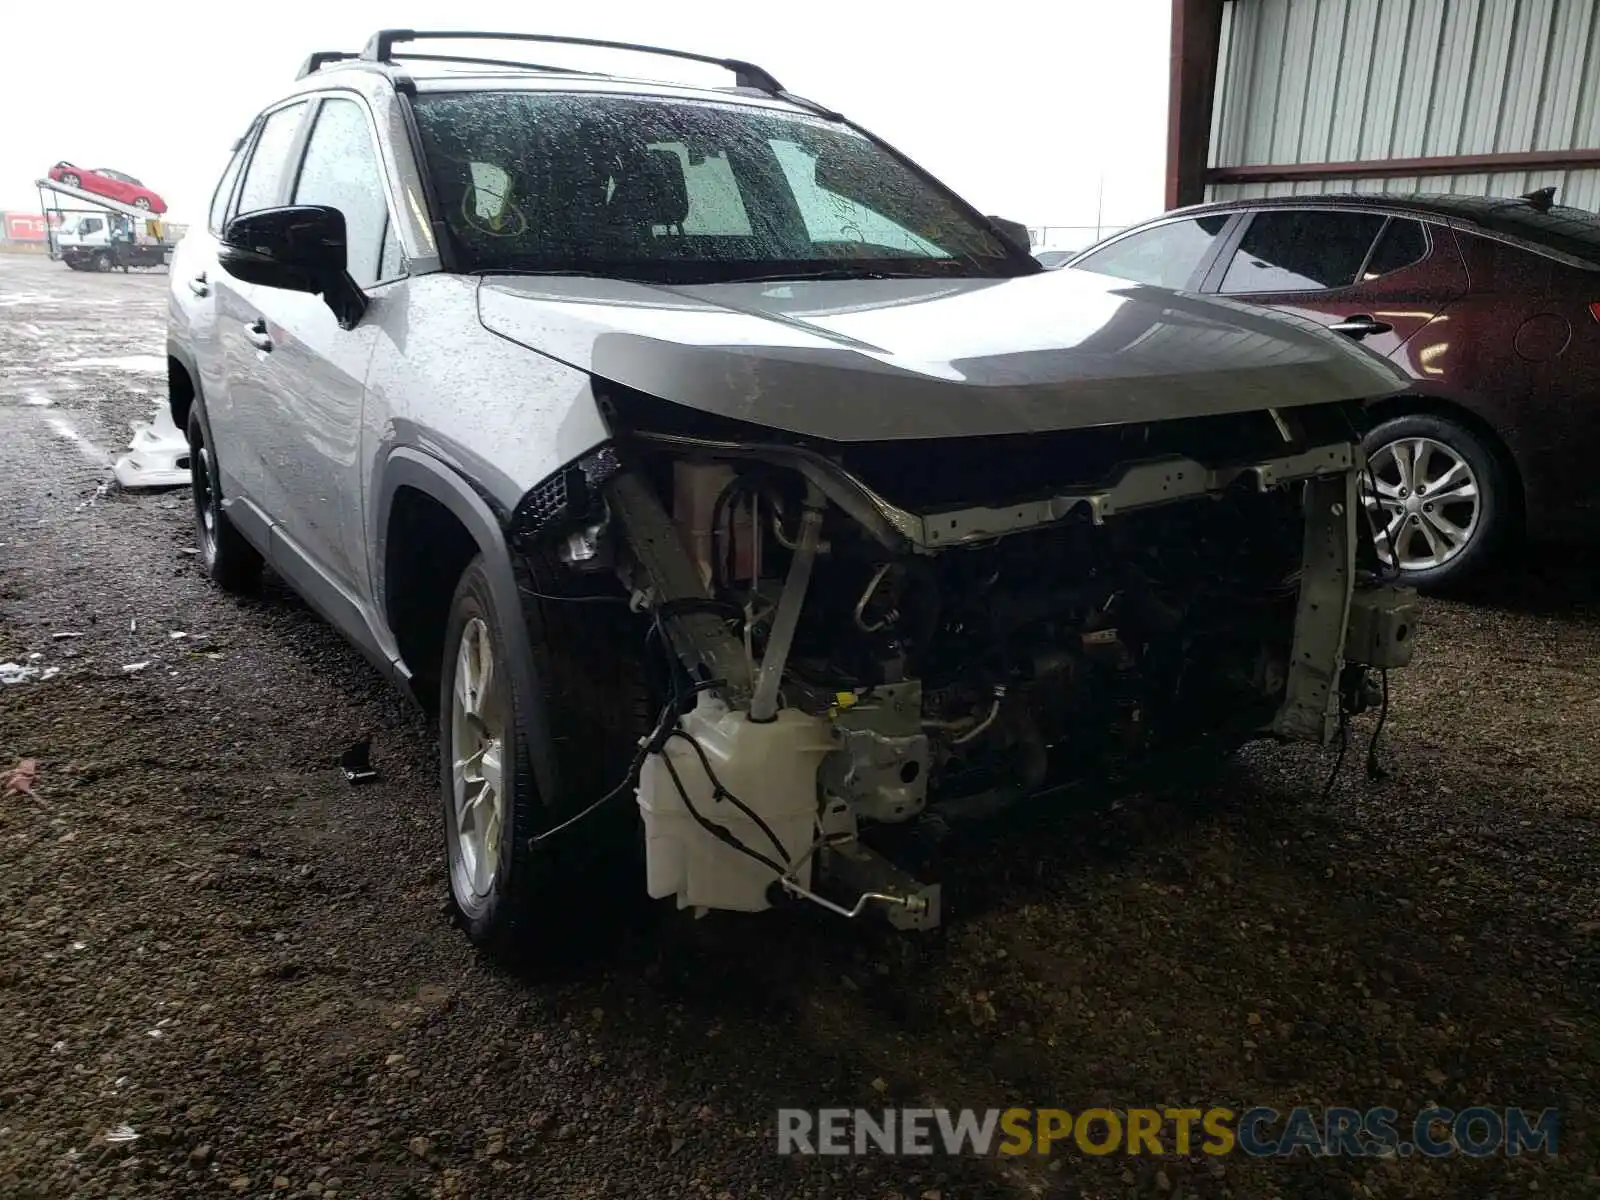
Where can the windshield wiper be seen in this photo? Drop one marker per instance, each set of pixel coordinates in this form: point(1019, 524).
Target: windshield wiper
point(559, 272)
point(831, 273)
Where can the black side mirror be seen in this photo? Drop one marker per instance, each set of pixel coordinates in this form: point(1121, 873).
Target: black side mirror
point(300, 249)
point(1014, 232)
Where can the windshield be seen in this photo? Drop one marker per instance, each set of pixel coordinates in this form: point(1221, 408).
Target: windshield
point(685, 191)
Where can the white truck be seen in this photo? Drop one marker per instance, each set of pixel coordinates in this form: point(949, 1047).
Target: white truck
point(101, 234)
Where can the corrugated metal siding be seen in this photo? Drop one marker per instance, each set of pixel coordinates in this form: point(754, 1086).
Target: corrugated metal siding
point(1303, 81)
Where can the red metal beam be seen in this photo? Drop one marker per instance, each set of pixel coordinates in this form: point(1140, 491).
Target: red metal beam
point(1196, 39)
point(1389, 168)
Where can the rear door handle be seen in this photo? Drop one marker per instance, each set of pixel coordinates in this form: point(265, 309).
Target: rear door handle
point(1360, 325)
point(256, 331)
point(197, 285)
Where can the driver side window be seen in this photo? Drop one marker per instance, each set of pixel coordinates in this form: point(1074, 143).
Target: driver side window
point(341, 170)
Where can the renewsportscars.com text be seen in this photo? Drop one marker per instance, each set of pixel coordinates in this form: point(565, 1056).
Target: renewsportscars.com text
point(1478, 1131)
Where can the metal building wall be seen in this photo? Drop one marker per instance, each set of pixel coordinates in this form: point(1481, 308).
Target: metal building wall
point(1320, 81)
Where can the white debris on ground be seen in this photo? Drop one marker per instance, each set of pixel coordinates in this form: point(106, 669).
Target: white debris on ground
point(14, 673)
point(158, 456)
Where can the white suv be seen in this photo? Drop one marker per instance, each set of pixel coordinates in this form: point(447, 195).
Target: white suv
point(713, 472)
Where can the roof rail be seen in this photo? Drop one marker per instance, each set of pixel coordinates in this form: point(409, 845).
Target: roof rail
point(380, 48)
point(485, 62)
point(318, 59)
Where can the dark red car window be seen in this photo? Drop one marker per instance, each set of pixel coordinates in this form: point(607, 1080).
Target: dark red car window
point(1402, 244)
point(1301, 251)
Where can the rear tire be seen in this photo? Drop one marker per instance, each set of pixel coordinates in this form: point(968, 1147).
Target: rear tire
point(102, 261)
point(230, 562)
point(1444, 537)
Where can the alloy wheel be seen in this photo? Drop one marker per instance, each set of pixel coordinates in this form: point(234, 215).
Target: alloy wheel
point(1425, 503)
point(477, 755)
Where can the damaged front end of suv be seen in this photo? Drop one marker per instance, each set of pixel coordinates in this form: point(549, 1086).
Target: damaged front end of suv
point(908, 529)
point(709, 470)
point(869, 633)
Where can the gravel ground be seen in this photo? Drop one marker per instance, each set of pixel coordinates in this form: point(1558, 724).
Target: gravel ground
point(208, 937)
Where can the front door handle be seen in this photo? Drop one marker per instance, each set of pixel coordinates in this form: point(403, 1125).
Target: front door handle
point(256, 331)
point(1360, 325)
point(197, 285)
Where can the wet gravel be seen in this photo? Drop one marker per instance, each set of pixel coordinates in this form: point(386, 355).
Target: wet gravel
point(210, 941)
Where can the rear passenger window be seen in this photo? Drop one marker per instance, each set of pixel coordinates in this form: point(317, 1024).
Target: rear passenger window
point(1402, 244)
point(1287, 251)
point(1166, 256)
point(264, 176)
point(224, 193)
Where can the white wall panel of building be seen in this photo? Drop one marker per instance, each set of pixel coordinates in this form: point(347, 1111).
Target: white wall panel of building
point(1337, 81)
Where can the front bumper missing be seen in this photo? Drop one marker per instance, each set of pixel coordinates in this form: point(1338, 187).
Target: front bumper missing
point(1141, 485)
point(1335, 623)
point(849, 872)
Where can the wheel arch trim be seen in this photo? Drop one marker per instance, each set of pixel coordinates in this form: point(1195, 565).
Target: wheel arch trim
point(408, 468)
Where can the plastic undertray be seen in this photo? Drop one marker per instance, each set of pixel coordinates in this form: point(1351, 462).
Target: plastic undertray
point(158, 456)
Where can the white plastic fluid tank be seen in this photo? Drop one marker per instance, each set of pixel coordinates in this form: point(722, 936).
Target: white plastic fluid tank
point(772, 767)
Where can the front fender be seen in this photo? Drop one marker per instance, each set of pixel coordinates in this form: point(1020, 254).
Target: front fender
point(405, 467)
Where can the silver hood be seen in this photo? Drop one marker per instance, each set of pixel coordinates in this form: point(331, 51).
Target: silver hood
point(870, 360)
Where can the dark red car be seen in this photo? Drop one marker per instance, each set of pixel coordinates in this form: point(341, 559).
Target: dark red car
point(113, 185)
point(1492, 306)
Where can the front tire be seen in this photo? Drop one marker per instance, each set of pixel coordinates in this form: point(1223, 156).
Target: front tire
point(141, 202)
point(230, 561)
point(1444, 505)
point(510, 896)
point(72, 180)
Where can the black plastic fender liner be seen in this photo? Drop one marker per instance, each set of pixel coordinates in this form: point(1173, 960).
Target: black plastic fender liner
point(410, 468)
point(178, 351)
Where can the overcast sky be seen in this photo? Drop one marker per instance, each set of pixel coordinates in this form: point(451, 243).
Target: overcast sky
point(1024, 113)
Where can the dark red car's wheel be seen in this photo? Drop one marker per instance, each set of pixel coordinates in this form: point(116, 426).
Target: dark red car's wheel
point(71, 180)
point(1440, 499)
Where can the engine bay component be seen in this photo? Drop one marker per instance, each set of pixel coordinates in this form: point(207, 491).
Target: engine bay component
point(882, 767)
point(764, 704)
point(730, 804)
point(859, 876)
point(1383, 620)
point(852, 681)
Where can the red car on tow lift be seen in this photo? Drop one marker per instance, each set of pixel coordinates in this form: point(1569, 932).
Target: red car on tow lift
point(113, 185)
